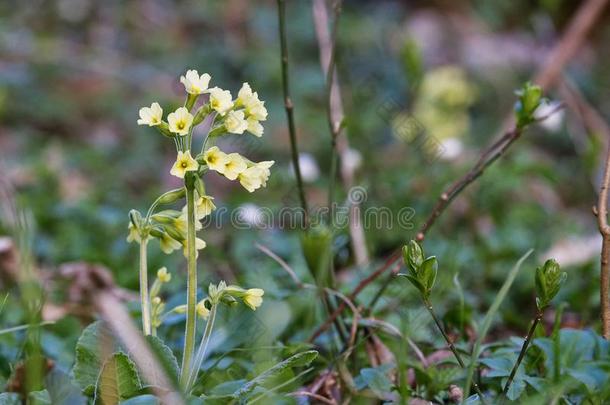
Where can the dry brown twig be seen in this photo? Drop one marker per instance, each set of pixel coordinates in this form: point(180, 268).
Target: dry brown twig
point(321, 24)
point(604, 229)
point(564, 51)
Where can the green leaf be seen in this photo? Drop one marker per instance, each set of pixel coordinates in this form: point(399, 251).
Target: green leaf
point(9, 398)
point(117, 381)
point(416, 283)
point(530, 97)
point(88, 361)
point(377, 381)
point(298, 360)
point(516, 389)
point(428, 271)
point(476, 351)
point(166, 358)
point(316, 244)
point(62, 390)
point(142, 400)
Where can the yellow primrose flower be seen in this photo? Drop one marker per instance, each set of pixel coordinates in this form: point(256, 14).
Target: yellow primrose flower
point(253, 106)
point(195, 84)
point(163, 275)
point(216, 159)
point(253, 298)
point(180, 222)
point(255, 127)
point(199, 244)
point(180, 121)
point(204, 206)
point(168, 244)
point(202, 310)
point(221, 100)
point(134, 234)
point(151, 116)
point(234, 166)
point(235, 122)
point(184, 163)
point(255, 176)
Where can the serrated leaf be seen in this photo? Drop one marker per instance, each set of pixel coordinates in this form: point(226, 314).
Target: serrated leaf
point(298, 360)
point(166, 358)
point(88, 361)
point(62, 390)
point(117, 381)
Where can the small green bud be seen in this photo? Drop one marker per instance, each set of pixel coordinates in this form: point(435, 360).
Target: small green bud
point(172, 196)
point(413, 257)
point(316, 243)
point(549, 279)
point(530, 97)
point(163, 128)
point(156, 232)
point(166, 216)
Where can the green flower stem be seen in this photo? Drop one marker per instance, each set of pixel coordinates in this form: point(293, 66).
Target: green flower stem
point(203, 347)
point(144, 296)
point(191, 298)
point(453, 349)
point(524, 347)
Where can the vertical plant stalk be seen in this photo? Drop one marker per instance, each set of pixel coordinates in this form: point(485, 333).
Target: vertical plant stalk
point(524, 347)
point(452, 347)
point(289, 106)
point(604, 229)
point(144, 295)
point(203, 348)
point(191, 286)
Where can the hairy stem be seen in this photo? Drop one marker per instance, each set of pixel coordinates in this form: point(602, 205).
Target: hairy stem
point(288, 105)
point(456, 354)
point(144, 296)
point(191, 287)
point(524, 347)
point(203, 347)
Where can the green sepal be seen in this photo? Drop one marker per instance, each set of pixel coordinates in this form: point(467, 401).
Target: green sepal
point(172, 196)
point(427, 272)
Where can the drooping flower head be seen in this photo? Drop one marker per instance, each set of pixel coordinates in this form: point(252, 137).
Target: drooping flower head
point(151, 116)
point(220, 100)
point(195, 84)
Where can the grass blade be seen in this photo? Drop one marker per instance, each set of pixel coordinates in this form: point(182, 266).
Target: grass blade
point(476, 351)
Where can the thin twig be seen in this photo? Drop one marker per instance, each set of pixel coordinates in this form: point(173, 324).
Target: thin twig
point(571, 41)
point(524, 347)
point(289, 106)
point(452, 347)
point(325, 46)
point(282, 263)
point(604, 229)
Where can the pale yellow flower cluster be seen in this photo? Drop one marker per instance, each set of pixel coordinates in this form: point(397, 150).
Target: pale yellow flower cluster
point(233, 166)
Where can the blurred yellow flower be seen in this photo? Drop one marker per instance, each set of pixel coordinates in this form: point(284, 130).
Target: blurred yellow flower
point(184, 163)
point(202, 310)
point(180, 121)
point(235, 122)
point(134, 234)
point(195, 84)
point(255, 176)
point(216, 159)
point(199, 244)
point(254, 107)
point(255, 127)
point(220, 100)
point(151, 116)
point(168, 244)
point(163, 275)
point(253, 298)
point(234, 166)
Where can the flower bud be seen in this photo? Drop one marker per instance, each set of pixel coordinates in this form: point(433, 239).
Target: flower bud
point(172, 196)
point(549, 279)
